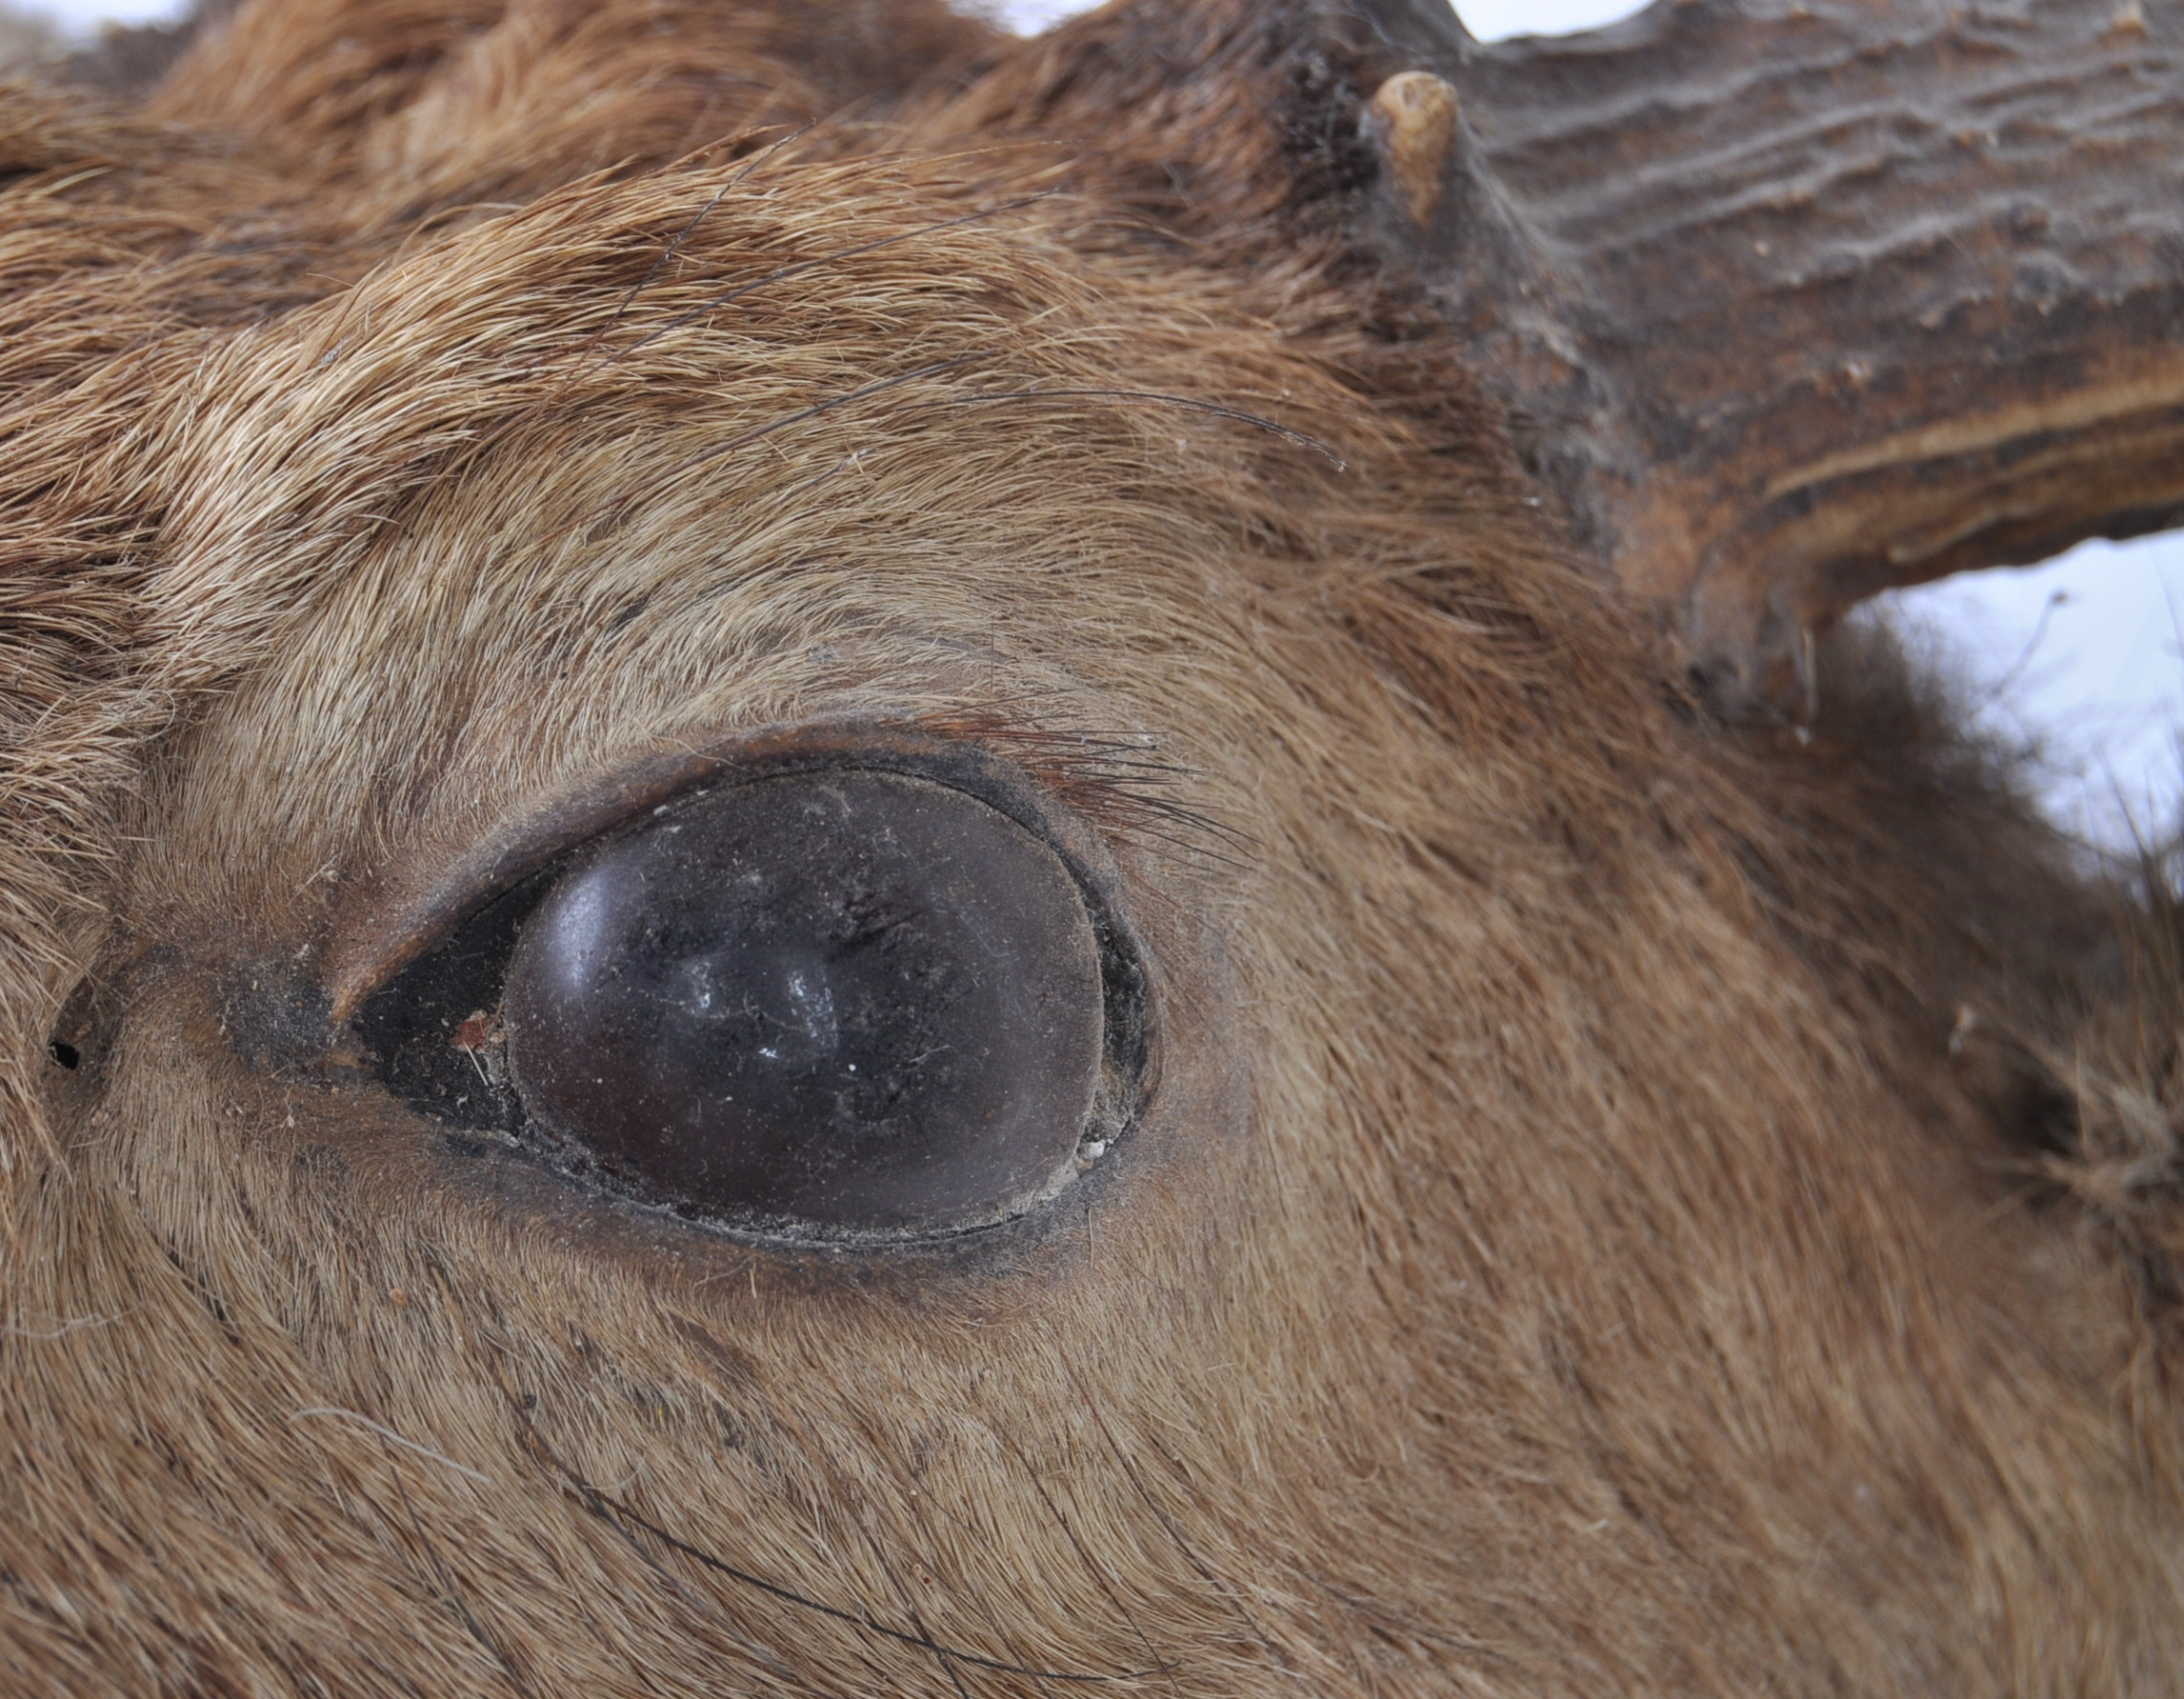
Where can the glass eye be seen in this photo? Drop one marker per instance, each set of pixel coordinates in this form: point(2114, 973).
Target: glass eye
point(822, 1003)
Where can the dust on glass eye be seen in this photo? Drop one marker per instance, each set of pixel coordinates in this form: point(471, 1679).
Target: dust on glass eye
point(841, 1001)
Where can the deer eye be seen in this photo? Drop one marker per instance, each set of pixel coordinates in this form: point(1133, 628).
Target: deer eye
point(817, 1004)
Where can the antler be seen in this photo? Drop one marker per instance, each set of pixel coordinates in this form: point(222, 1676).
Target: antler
point(1857, 294)
point(1789, 300)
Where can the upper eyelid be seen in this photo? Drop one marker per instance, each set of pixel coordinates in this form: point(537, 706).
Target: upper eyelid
point(375, 951)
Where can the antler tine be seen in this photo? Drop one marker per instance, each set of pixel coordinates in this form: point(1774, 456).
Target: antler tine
point(1789, 300)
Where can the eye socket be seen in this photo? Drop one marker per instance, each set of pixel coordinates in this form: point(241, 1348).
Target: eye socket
point(820, 1004)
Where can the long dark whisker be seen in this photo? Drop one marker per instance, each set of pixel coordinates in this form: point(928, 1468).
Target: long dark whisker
point(1099, 1578)
point(454, 1593)
point(534, 1443)
point(1175, 1535)
point(856, 1619)
point(675, 246)
point(620, 1517)
point(615, 1511)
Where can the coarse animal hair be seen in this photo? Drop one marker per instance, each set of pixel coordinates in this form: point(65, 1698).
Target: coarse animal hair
point(1560, 1252)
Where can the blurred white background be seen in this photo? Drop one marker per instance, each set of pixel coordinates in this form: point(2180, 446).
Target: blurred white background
point(2081, 659)
point(83, 17)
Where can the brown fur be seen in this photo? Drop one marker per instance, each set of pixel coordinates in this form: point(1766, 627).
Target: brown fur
point(1558, 1257)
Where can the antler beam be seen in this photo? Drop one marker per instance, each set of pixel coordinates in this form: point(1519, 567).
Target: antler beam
point(1823, 297)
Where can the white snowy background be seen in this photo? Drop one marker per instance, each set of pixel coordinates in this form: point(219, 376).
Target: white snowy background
point(2081, 658)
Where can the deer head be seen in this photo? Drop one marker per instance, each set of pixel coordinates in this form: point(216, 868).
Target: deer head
point(845, 857)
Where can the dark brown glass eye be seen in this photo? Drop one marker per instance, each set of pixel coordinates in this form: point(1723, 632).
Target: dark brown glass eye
point(843, 1000)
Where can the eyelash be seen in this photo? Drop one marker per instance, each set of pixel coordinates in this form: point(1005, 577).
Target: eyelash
point(1115, 781)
